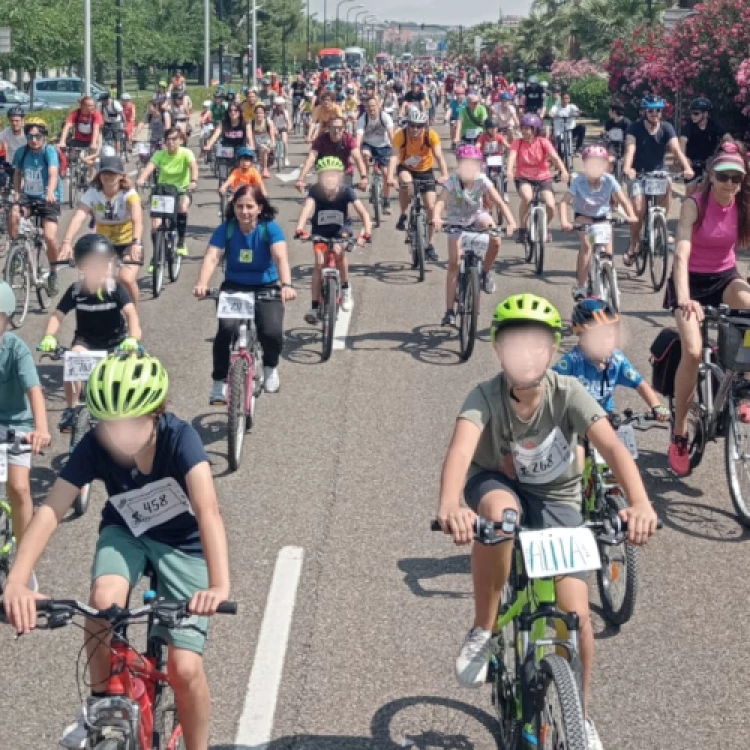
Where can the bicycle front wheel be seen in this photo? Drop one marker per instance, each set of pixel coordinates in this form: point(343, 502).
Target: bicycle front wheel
point(418, 245)
point(505, 677)
point(737, 454)
point(157, 272)
point(541, 231)
point(376, 198)
point(330, 310)
point(19, 279)
point(467, 312)
point(81, 425)
point(42, 275)
point(559, 721)
point(236, 401)
point(174, 260)
point(659, 257)
point(609, 289)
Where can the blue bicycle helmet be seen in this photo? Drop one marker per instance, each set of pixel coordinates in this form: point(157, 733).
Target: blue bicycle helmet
point(246, 152)
point(652, 101)
point(506, 97)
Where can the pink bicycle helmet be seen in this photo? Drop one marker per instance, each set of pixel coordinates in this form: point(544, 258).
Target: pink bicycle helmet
point(469, 151)
point(531, 121)
point(594, 152)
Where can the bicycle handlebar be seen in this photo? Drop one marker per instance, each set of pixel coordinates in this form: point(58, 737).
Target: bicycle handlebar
point(724, 311)
point(615, 221)
point(455, 228)
point(15, 441)
point(629, 417)
point(214, 292)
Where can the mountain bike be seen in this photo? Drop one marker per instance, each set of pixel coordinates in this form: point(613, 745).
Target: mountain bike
point(78, 175)
point(535, 237)
point(165, 202)
point(416, 231)
point(720, 391)
point(280, 152)
point(245, 379)
point(225, 162)
point(602, 282)
point(376, 193)
point(495, 168)
point(11, 443)
point(138, 711)
point(603, 498)
point(474, 244)
point(564, 141)
point(27, 265)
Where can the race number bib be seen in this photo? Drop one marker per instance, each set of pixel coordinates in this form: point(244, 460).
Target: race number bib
point(412, 162)
point(78, 365)
point(152, 505)
point(544, 463)
point(33, 182)
point(142, 149)
point(162, 204)
point(475, 242)
point(655, 185)
point(616, 135)
point(224, 152)
point(330, 218)
point(84, 127)
point(3, 463)
point(495, 161)
point(236, 305)
point(472, 134)
point(549, 553)
point(600, 233)
point(626, 433)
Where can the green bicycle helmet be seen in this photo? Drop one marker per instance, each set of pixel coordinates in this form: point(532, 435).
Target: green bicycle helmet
point(523, 309)
point(329, 163)
point(126, 387)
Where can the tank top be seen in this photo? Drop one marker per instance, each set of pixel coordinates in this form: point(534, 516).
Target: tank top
point(233, 135)
point(713, 243)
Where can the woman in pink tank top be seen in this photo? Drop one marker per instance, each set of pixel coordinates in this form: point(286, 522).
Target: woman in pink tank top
point(713, 223)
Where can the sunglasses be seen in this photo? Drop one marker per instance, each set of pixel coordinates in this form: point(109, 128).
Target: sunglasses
point(657, 112)
point(735, 179)
point(336, 127)
point(34, 137)
point(415, 126)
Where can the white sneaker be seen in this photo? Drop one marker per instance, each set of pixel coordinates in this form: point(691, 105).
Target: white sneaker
point(580, 292)
point(592, 736)
point(474, 658)
point(286, 162)
point(218, 393)
point(346, 299)
point(76, 734)
point(312, 316)
point(33, 583)
point(271, 375)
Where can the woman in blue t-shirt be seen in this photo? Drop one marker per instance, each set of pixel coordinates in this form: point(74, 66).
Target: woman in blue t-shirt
point(256, 259)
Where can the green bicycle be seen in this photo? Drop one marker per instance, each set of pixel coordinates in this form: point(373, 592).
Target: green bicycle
point(12, 443)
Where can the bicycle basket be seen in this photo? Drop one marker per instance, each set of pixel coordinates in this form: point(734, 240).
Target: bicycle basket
point(666, 352)
point(734, 345)
point(164, 202)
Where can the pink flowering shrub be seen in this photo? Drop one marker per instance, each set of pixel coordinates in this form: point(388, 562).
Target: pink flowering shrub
point(566, 72)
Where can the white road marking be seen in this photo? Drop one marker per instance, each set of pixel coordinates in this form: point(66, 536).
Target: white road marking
point(341, 329)
point(256, 722)
point(289, 177)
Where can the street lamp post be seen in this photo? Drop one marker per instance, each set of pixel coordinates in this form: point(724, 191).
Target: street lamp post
point(207, 43)
point(338, 5)
point(365, 21)
point(325, 16)
point(255, 44)
point(348, 11)
point(356, 22)
point(87, 47)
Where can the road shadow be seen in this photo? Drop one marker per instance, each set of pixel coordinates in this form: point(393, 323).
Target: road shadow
point(51, 379)
point(701, 521)
point(431, 344)
point(303, 346)
point(603, 630)
point(418, 570)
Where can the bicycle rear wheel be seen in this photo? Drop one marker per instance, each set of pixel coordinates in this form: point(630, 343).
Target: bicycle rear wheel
point(330, 310)
point(559, 721)
point(157, 274)
point(418, 246)
point(610, 291)
point(377, 201)
point(81, 425)
point(42, 275)
point(174, 260)
point(737, 455)
point(659, 257)
point(467, 312)
point(540, 242)
point(504, 665)
point(236, 403)
point(19, 279)
point(642, 256)
point(166, 723)
point(696, 432)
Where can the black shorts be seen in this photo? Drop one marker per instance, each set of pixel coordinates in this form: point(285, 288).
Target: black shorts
point(80, 145)
point(592, 219)
point(97, 345)
point(705, 288)
point(40, 207)
point(425, 180)
point(123, 250)
point(543, 184)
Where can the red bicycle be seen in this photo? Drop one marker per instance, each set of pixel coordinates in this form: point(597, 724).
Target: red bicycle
point(138, 711)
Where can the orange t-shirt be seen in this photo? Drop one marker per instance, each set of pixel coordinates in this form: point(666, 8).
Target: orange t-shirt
point(238, 178)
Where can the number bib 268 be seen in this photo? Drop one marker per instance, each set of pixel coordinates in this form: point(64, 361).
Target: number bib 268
point(544, 463)
point(78, 365)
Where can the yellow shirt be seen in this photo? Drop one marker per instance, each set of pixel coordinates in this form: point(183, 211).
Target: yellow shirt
point(248, 111)
point(324, 116)
point(416, 154)
point(351, 106)
point(114, 218)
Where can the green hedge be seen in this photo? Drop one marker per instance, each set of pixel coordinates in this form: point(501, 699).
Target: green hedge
point(592, 95)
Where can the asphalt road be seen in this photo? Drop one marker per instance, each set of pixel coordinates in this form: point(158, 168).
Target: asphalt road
point(344, 464)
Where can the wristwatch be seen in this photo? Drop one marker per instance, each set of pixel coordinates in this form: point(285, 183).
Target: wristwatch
point(288, 286)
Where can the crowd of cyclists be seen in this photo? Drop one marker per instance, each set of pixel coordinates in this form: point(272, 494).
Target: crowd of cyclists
point(354, 122)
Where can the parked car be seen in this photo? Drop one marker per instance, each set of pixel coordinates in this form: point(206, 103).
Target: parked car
point(10, 96)
point(64, 91)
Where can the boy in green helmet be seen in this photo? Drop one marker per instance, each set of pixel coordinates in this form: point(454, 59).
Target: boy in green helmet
point(515, 438)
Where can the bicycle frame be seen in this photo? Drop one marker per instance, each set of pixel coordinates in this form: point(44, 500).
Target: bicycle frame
point(712, 409)
point(242, 351)
point(536, 205)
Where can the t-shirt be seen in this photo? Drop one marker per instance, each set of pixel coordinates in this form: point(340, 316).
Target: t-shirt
point(416, 153)
point(473, 120)
point(650, 150)
point(298, 89)
point(542, 453)
point(701, 144)
point(84, 124)
point(414, 97)
point(249, 260)
point(375, 131)
point(600, 382)
point(36, 166)
point(238, 178)
point(112, 113)
point(455, 108)
point(233, 136)
point(17, 375)
point(324, 145)
point(137, 498)
point(622, 125)
point(534, 98)
point(331, 215)
point(174, 170)
point(465, 203)
point(490, 145)
point(324, 116)
point(12, 142)
point(218, 111)
point(558, 113)
point(99, 319)
point(113, 217)
point(504, 113)
point(157, 131)
point(531, 158)
point(593, 202)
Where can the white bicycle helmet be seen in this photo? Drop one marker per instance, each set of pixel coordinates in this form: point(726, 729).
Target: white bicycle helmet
point(208, 103)
point(279, 101)
point(415, 116)
point(126, 97)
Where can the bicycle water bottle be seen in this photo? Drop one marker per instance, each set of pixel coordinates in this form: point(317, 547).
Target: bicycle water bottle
point(528, 737)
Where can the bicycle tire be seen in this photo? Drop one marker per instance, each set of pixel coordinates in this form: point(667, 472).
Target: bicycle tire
point(18, 277)
point(43, 295)
point(659, 253)
point(556, 672)
point(81, 425)
point(504, 683)
point(540, 242)
point(468, 311)
point(330, 311)
point(529, 248)
point(237, 383)
point(618, 612)
point(166, 724)
point(376, 201)
point(109, 744)
point(733, 454)
point(174, 261)
point(641, 258)
point(609, 287)
point(417, 249)
point(696, 431)
point(157, 274)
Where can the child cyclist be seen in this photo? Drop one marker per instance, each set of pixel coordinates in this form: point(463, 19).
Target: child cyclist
point(491, 141)
point(513, 447)
point(465, 196)
point(245, 174)
point(327, 204)
point(591, 193)
point(138, 448)
point(106, 317)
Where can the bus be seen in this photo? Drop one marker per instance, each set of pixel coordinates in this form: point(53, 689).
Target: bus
point(331, 58)
point(356, 58)
point(407, 57)
point(382, 58)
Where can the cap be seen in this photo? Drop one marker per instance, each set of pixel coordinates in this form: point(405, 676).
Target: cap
point(111, 164)
point(729, 159)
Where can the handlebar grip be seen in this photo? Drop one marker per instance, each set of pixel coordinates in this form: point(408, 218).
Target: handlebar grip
point(435, 526)
point(43, 605)
point(227, 608)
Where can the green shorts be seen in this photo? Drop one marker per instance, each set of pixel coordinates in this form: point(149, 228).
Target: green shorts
point(178, 577)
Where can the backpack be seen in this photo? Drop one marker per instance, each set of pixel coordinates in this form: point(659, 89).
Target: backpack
point(368, 121)
point(479, 124)
point(666, 352)
point(60, 155)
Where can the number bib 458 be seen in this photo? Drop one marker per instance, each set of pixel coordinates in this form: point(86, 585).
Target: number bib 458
point(152, 505)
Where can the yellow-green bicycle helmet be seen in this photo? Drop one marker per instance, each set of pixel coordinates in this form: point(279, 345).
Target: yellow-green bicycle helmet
point(126, 386)
point(329, 163)
point(522, 309)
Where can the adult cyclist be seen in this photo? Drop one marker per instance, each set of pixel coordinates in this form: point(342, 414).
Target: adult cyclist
point(700, 138)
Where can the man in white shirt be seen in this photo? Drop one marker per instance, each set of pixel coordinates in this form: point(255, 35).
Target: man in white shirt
point(114, 120)
point(13, 136)
point(564, 118)
point(374, 138)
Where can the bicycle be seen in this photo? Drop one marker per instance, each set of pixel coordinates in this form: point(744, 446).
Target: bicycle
point(245, 380)
point(615, 141)
point(138, 711)
point(11, 443)
point(164, 205)
point(376, 192)
point(603, 497)
point(78, 175)
point(563, 141)
point(27, 265)
point(224, 163)
point(602, 282)
point(474, 244)
point(527, 678)
point(721, 388)
point(495, 168)
point(654, 245)
point(280, 152)
point(535, 237)
point(416, 233)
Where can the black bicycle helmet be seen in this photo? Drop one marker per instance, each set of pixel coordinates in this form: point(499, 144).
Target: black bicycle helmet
point(490, 123)
point(16, 112)
point(592, 312)
point(617, 107)
point(701, 104)
point(92, 244)
point(105, 96)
